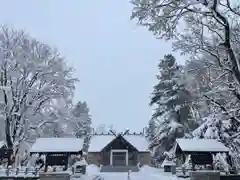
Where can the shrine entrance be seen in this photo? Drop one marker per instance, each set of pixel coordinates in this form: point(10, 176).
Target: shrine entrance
point(119, 157)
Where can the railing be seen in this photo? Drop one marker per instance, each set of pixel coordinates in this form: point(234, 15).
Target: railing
point(10, 172)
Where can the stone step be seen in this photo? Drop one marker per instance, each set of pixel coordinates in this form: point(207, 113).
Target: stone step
point(119, 168)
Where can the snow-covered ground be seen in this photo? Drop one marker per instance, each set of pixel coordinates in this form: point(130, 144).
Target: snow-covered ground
point(93, 173)
point(146, 173)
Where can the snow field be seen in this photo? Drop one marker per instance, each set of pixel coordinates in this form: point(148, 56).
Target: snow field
point(145, 173)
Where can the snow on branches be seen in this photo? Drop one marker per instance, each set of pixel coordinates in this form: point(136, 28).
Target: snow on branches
point(172, 102)
point(203, 29)
point(35, 75)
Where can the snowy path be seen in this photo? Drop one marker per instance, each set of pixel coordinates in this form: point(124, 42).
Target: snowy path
point(146, 173)
point(135, 176)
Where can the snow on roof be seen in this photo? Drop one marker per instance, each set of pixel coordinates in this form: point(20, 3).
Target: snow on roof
point(138, 141)
point(201, 145)
point(57, 145)
point(98, 142)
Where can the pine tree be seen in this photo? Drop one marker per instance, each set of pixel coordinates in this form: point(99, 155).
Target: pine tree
point(172, 102)
point(151, 130)
point(82, 122)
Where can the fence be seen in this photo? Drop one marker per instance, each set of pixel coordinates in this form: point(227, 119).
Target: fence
point(19, 173)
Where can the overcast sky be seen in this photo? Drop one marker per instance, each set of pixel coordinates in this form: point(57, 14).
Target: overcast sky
point(115, 60)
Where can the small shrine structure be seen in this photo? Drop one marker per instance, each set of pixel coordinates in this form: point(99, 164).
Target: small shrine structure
point(201, 151)
point(114, 150)
point(57, 151)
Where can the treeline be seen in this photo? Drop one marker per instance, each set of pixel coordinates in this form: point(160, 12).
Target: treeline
point(206, 91)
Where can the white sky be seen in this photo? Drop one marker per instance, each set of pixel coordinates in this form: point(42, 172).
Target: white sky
point(115, 60)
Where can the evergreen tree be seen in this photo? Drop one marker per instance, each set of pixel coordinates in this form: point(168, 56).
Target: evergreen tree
point(172, 101)
point(151, 130)
point(101, 129)
point(82, 122)
point(218, 40)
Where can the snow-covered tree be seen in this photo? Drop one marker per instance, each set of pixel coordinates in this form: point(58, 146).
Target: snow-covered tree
point(105, 129)
point(151, 130)
point(54, 130)
point(82, 122)
point(101, 129)
point(33, 75)
point(83, 119)
point(198, 81)
point(198, 73)
point(209, 28)
point(60, 118)
point(215, 126)
point(170, 94)
point(172, 100)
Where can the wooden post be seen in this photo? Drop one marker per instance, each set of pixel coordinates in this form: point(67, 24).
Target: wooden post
point(17, 171)
point(129, 172)
point(66, 164)
point(46, 163)
point(229, 160)
point(45, 168)
point(73, 170)
point(7, 171)
point(26, 171)
point(35, 172)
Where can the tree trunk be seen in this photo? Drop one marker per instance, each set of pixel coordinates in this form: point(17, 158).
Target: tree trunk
point(9, 142)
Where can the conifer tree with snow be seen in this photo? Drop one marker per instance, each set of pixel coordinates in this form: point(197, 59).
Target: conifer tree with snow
point(82, 122)
point(59, 116)
point(208, 28)
point(102, 129)
point(198, 81)
point(151, 130)
point(172, 106)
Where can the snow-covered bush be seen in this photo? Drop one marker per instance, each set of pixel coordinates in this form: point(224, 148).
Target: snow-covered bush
point(216, 127)
point(220, 162)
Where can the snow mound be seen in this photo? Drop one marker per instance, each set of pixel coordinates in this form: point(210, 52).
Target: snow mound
point(83, 162)
point(167, 163)
point(92, 169)
point(148, 169)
